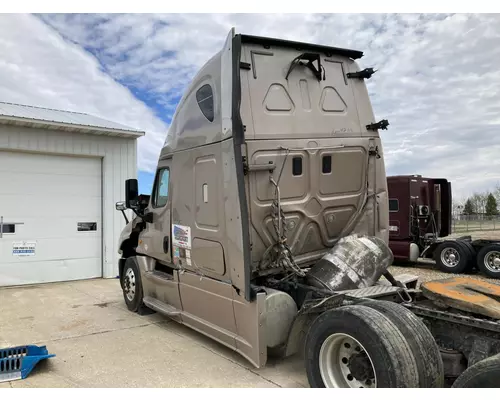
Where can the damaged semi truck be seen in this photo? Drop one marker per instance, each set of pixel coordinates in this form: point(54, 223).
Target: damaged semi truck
point(267, 228)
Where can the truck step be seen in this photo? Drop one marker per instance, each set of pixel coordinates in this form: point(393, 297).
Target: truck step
point(17, 362)
point(409, 280)
point(161, 307)
point(372, 291)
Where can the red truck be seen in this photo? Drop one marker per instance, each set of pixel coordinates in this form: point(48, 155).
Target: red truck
point(420, 219)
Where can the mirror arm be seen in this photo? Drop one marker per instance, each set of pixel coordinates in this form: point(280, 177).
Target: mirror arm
point(140, 215)
point(125, 216)
point(136, 212)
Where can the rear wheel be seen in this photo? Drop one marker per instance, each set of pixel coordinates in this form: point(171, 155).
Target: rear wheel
point(483, 374)
point(358, 347)
point(488, 260)
point(424, 347)
point(452, 256)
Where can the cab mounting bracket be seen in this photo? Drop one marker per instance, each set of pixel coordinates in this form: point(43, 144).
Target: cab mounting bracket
point(383, 124)
point(364, 74)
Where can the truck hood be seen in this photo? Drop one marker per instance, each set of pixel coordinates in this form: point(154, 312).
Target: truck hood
point(126, 232)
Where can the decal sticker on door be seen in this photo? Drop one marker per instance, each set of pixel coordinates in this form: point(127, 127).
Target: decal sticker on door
point(188, 257)
point(181, 236)
point(176, 254)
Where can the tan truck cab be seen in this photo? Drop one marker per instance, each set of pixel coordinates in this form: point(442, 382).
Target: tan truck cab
point(268, 216)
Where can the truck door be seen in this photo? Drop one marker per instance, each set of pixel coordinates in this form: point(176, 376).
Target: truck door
point(156, 238)
point(399, 208)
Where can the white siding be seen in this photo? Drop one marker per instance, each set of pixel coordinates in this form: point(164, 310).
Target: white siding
point(119, 162)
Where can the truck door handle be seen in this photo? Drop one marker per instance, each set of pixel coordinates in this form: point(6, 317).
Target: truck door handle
point(165, 244)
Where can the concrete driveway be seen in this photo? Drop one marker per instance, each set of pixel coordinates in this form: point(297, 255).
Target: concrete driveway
point(99, 343)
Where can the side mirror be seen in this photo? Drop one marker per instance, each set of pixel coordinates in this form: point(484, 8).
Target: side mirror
point(131, 193)
point(120, 206)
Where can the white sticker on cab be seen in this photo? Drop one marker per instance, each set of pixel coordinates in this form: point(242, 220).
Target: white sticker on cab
point(181, 236)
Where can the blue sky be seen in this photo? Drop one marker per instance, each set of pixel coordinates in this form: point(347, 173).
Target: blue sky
point(437, 79)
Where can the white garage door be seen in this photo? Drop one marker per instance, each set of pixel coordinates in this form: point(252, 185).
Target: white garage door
point(51, 209)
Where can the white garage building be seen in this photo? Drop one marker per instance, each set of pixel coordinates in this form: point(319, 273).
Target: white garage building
point(61, 174)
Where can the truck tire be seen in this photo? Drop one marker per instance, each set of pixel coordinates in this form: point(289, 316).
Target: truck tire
point(472, 265)
point(357, 346)
point(132, 285)
point(483, 374)
point(488, 260)
point(452, 256)
point(424, 347)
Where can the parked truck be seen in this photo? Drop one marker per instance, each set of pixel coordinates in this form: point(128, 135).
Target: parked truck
point(420, 221)
point(267, 228)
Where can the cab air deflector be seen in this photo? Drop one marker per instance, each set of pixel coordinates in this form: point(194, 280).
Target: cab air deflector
point(327, 50)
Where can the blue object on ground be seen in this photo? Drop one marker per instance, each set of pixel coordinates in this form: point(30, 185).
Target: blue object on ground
point(18, 362)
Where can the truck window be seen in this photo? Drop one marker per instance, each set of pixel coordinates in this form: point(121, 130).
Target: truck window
point(161, 193)
point(205, 99)
point(297, 166)
point(327, 164)
point(393, 205)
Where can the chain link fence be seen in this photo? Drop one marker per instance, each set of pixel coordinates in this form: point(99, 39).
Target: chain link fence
point(474, 223)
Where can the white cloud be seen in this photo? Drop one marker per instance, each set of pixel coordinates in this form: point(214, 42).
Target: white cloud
point(38, 67)
point(437, 79)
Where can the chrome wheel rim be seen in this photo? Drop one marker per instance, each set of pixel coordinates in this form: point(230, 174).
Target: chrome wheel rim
point(129, 284)
point(338, 355)
point(492, 261)
point(450, 257)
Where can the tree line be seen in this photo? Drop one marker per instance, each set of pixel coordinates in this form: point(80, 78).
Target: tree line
point(485, 203)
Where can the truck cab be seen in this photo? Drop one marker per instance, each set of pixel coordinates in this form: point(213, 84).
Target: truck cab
point(419, 213)
point(270, 193)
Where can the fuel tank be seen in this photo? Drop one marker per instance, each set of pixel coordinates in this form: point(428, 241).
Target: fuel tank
point(354, 262)
point(278, 316)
